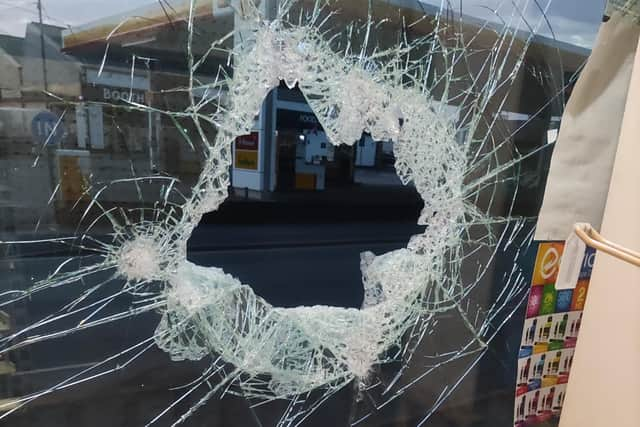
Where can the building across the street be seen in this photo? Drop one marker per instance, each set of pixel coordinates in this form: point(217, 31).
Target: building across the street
point(88, 77)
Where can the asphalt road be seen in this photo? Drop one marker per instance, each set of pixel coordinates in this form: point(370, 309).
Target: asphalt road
point(292, 265)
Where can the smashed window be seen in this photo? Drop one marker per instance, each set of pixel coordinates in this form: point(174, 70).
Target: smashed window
point(422, 89)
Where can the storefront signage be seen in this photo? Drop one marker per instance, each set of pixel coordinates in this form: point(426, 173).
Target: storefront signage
point(47, 128)
point(289, 119)
point(112, 95)
point(553, 318)
point(246, 159)
point(248, 142)
point(246, 152)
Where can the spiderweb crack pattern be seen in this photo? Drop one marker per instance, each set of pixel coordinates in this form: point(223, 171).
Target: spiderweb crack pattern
point(291, 353)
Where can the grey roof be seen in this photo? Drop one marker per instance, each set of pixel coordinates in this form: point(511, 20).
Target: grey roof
point(521, 33)
point(13, 46)
point(29, 46)
point(54, 32)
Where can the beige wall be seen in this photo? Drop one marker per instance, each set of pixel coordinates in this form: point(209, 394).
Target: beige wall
point(604, 387)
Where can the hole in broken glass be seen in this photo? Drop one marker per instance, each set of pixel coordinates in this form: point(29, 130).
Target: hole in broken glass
point(301, 244)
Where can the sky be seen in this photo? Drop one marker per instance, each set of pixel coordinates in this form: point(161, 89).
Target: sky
point(573, 21)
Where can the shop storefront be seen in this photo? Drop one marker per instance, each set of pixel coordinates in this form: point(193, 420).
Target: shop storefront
point(101, 123)
point(304, 153)
point(297, 154)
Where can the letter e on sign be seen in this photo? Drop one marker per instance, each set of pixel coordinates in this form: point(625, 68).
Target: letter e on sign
point(547, 263)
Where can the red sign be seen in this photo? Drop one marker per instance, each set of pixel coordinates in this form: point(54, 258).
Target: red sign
point(248, 142)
